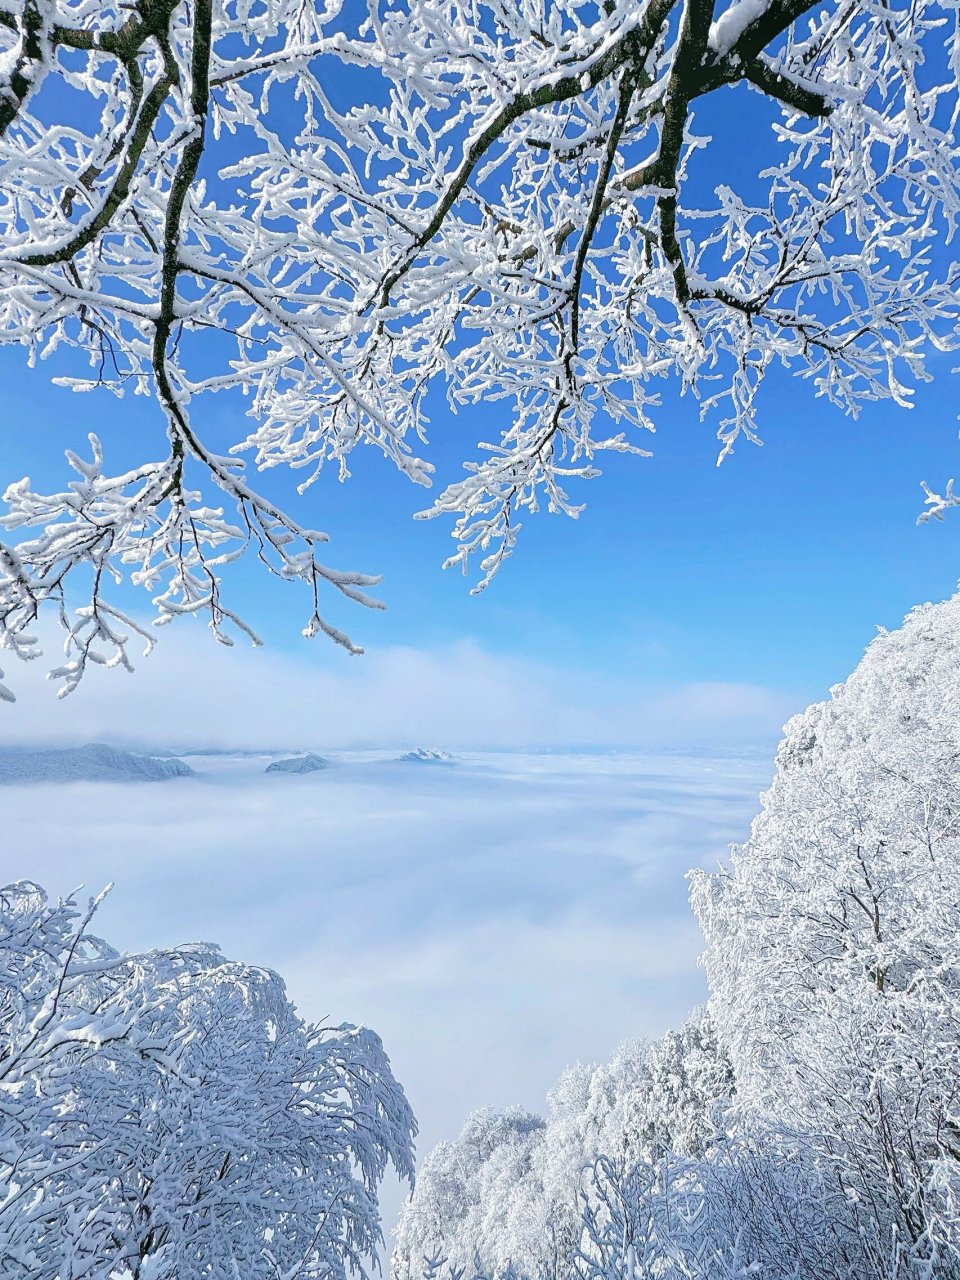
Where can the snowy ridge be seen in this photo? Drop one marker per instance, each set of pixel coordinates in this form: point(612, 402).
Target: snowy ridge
point(423, 755)
point(94, 762)
point(308, 763)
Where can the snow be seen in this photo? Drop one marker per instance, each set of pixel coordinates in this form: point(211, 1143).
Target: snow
point(95, 762)
point(425, 755)
point(730, 26)
point(308, 763)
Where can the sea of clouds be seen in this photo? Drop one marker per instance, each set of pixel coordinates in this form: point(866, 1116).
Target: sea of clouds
point(494, 919)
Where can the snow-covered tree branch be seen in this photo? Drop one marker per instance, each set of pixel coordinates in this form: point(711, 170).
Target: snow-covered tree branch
point(515, 216)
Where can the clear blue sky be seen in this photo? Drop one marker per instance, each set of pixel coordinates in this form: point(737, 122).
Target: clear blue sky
point(774, 569)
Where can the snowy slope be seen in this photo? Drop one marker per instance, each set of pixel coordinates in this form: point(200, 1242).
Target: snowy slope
point(92, 763)
point(298, 764)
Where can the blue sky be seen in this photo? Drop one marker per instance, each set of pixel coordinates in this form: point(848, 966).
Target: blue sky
point(772, 571)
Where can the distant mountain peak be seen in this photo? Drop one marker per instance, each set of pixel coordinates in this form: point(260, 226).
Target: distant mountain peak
point(95, 762)
point(308, 763)
point(424, 755)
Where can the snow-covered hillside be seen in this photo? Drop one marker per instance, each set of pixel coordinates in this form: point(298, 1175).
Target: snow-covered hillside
point(298, 764)
point(95, 762)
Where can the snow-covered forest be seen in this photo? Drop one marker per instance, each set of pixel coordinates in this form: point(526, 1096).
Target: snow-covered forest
point(806, 1122)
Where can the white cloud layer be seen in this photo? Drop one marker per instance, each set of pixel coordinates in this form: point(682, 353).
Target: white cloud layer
point(493, 920)
point(191, 692)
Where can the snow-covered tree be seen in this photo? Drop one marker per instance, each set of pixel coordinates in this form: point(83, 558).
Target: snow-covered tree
point(806, 1126)
point(467, 1191)
point(518, 212)
point(833, 943)
point(533, 1197)
point(168, 1114)
point(750, 1207)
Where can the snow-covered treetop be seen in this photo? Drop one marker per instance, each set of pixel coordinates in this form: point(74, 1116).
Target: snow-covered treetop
point(168, 1114)
point(507, 1197)
point(833, 940)
point(849, 881)
point(514, 212)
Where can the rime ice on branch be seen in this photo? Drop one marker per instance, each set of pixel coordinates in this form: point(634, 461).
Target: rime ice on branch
point(514, 224)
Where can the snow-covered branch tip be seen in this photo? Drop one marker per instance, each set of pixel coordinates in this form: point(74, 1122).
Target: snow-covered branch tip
point(936, 503)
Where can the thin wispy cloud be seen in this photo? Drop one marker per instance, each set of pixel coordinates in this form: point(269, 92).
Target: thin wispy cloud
point(461, 695)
